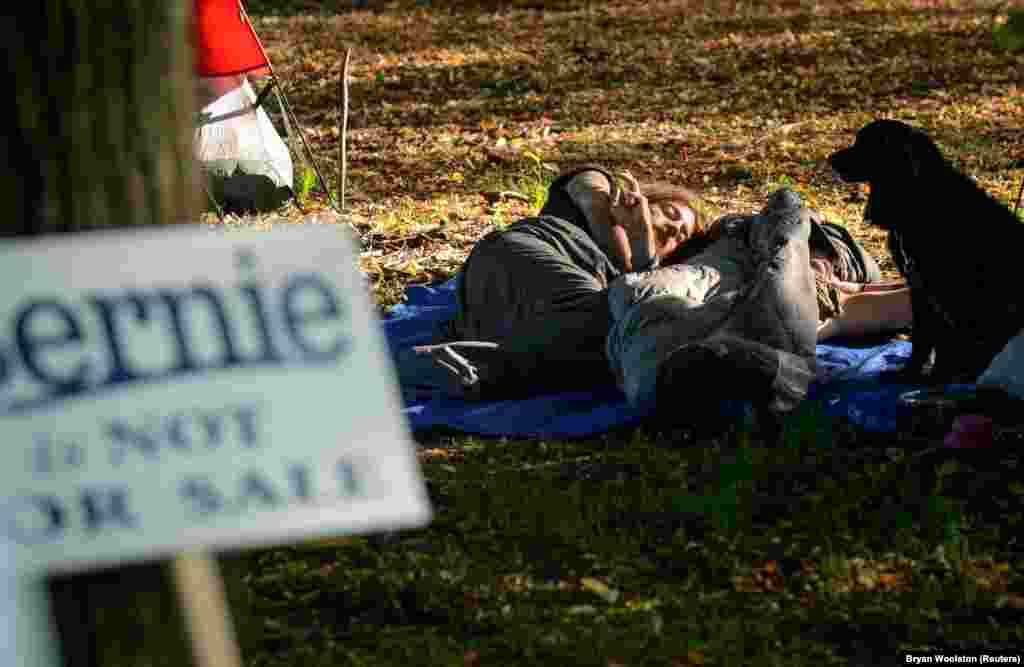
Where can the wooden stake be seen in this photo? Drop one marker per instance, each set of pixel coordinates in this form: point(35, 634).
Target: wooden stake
point(206, 611)
point(343, 145)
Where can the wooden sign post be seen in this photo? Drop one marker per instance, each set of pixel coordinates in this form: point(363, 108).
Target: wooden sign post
point(181, 389)
point(206, 611)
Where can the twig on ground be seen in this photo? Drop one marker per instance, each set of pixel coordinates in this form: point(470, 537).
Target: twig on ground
point(343, 139)
point(436, 233)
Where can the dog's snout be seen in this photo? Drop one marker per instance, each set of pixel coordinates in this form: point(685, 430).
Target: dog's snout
point(835, 167)
point(848, 165)
point(842, 176)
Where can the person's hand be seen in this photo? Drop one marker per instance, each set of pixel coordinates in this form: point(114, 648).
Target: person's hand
point(824, 267)
point(632, 213)
point(828, 328)
point(847, 287)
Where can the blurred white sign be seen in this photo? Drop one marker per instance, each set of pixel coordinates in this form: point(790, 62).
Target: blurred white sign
point(173, 389)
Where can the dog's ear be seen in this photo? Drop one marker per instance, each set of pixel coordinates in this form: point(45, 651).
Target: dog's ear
point(921, 154)
point(910, 158)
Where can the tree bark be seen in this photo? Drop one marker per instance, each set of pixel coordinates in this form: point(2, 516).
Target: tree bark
point(98, 135)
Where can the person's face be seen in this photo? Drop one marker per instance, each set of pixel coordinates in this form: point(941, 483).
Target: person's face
point(674, 222)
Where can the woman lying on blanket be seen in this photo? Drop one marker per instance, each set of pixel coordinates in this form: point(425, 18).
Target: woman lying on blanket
point(534, 309)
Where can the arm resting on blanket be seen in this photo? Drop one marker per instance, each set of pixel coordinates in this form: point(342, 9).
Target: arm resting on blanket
point(869, 312)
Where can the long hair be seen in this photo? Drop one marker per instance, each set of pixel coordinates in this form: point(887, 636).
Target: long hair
point(691, 241)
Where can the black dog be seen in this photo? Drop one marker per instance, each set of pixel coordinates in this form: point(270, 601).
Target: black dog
point(959, 249)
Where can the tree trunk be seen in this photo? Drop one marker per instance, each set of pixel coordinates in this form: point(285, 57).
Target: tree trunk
point(98, 135)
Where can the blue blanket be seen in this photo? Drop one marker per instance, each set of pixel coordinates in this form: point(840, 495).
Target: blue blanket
point(847, 384)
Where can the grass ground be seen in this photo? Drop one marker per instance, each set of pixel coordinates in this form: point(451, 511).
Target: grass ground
point(642, 547)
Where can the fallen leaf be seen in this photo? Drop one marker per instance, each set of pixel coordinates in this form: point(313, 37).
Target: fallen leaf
point(599, 588)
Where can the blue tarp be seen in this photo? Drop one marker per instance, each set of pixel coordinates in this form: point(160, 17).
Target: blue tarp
point(847, 386)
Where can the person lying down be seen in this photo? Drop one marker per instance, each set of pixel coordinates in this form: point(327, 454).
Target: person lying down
point(727, 311)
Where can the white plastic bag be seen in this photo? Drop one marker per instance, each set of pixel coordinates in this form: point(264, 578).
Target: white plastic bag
point(238, 147)
point(1006, 371)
